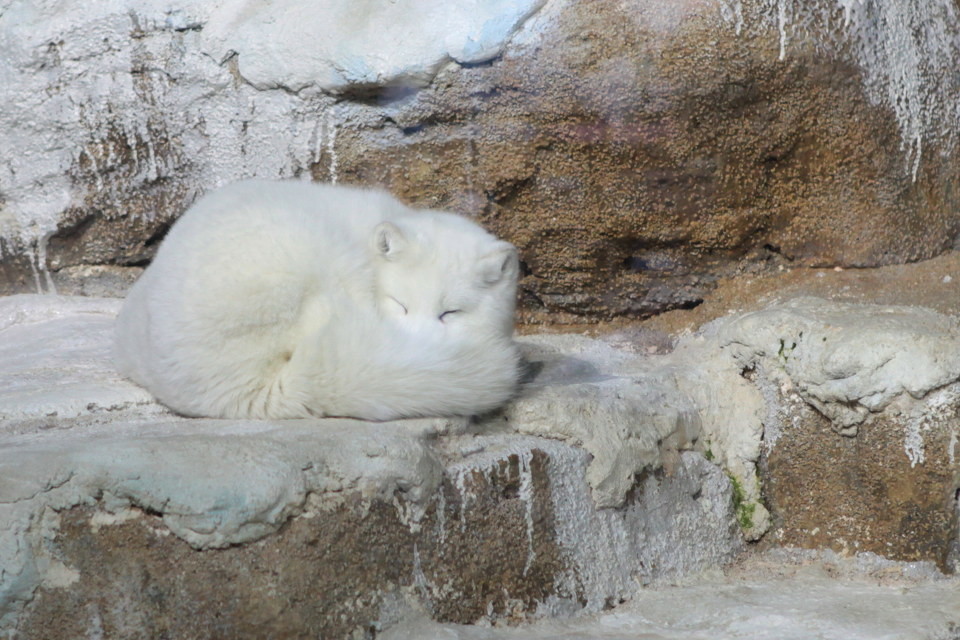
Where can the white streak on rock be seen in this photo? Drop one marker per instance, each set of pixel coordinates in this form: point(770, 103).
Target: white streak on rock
point(42, 263)
point(330, 130)
point(526, 496)
point(441, 517)
point(460, 482)
point(908, 51)
point(103, 100)
point(782, 27)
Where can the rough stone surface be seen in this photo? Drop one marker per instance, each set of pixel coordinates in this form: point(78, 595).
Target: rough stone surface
point(119, 521)
point(489, 546)
point(772, 596)
point(864, 493)
point(330, 572)
point(636, 413)
point(116, 116)
point(635, 152)
point(933, 284)
point(861, 429)
point(118, 516)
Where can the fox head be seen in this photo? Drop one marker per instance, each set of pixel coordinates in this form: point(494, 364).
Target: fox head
point(441, 271)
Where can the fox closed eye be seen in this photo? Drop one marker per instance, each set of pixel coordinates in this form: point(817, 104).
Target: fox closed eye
point(448, 313)
point(402, 306)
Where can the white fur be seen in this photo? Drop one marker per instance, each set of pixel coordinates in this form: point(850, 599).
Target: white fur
point(288, 300)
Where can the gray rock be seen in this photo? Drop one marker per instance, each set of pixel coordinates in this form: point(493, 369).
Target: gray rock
point(847, 360)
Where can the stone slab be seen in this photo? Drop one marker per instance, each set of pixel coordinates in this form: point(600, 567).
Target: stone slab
point(861, 428)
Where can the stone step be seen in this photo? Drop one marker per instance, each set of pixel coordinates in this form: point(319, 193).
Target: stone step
point(613, 469)
point(120, 519)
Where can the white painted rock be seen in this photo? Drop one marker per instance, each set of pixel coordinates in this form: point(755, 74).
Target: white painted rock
point(635, 413)
point(847, 360)
point(55, 362)
point(332, 45)
point(103, 101)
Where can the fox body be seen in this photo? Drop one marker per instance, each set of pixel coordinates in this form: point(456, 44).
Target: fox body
point(290, 299)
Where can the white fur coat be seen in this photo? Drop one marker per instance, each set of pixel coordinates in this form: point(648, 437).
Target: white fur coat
point(290, 299)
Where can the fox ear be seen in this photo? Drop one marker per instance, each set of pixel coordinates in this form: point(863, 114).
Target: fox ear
point(388, 241)
point(499, 264)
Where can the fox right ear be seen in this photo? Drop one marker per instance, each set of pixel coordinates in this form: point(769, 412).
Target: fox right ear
point(499, 264)
point(388, 241)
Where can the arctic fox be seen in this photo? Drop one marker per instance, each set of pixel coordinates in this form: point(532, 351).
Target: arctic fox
point(290, 300)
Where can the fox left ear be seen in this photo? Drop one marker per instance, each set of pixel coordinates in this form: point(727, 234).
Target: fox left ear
point(388, 240)
point(499, 264)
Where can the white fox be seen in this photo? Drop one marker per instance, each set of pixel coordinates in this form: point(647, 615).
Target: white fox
point(290, 300)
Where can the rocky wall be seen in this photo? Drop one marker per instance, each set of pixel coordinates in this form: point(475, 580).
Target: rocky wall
point(635, 151)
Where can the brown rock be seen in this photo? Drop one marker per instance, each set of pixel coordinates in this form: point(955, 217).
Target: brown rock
point(634, 162)
point(636, 153)
point(331, 573)
point(864, 493)
point(486, 548)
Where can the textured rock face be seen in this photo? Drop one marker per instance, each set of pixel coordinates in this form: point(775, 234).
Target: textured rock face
point(490, 544)
point(635, 152)
point(780, 594)
point(116, 516)
point(333, 570)
point(636, 414)
point(861, 430)
point(116, 116)
point(868, 492)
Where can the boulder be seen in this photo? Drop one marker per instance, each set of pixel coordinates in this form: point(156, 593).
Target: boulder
point(636, 152)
